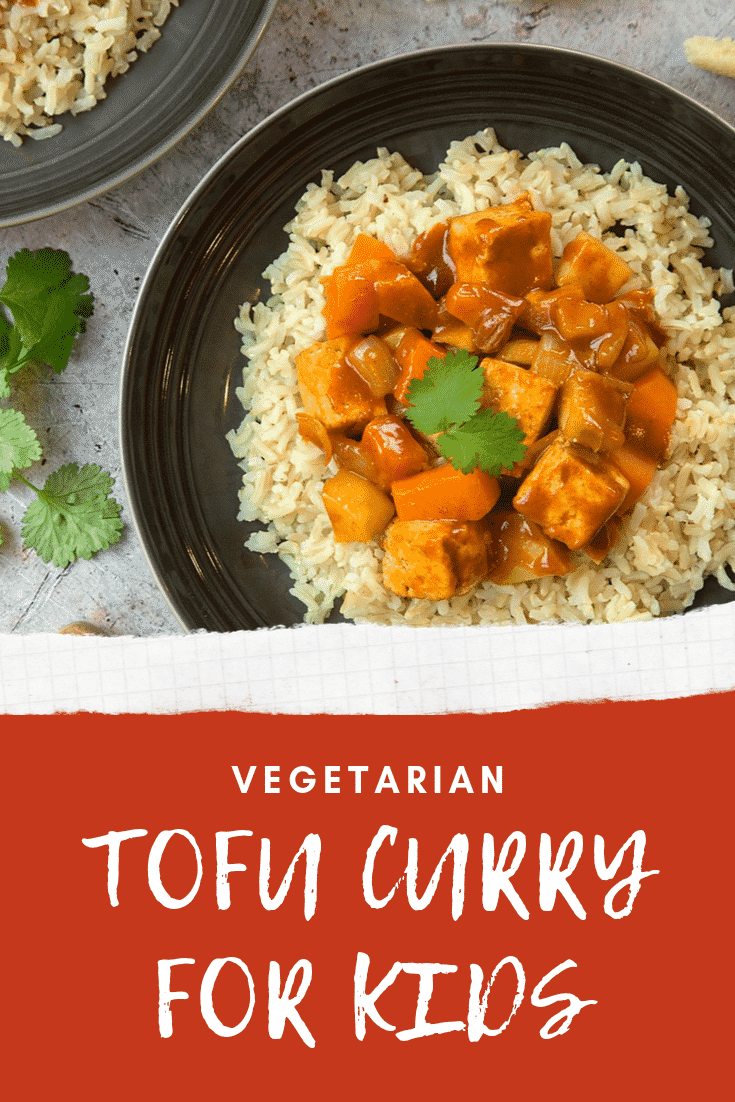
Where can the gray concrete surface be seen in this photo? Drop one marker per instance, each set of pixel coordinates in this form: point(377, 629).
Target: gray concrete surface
point(112, 239)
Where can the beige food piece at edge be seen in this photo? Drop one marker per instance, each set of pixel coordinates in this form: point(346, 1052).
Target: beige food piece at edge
point(715, 54)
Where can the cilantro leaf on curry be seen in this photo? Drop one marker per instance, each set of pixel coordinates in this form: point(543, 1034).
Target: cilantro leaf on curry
point(446, 401)
point(448, 394)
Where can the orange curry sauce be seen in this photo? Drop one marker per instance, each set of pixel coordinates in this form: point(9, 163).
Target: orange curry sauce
point(574, 358)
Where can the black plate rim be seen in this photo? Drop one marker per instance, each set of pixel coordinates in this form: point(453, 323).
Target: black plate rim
point(227, 79)
point(270, 120)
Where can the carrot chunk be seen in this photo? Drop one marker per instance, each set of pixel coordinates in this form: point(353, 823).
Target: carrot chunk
point(358, 294)
point(638, 468)
point(443, 493)
point(651, 412)
point(412, 356)
point(369, 248)
point(401, 296)
point(352, 304)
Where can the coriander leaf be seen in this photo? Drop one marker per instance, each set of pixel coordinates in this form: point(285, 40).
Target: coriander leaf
point(10, 350)
point(48, 303)
point(5, 330)
point(73, 516)
point(489, 440)
point(19, 445)
point(448, 393)
point(30, 276)
point(64, 320)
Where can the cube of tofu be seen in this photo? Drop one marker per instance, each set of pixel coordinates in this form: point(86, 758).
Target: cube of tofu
point(507, 247)
point(571, 493)
point(521, 394)
point(435, 559)
point(332, 390)
point(592, 410)
point(597, 269)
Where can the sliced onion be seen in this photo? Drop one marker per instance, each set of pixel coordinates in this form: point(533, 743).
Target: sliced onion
point(311, 429)
point(373, 359)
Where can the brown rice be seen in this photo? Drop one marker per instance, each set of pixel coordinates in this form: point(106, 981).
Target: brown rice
point(684, 527)
point(57, 55)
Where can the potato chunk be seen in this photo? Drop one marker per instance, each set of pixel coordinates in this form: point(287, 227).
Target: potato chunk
point(592, 410)
point(507, 247)
point(358, 510)
point(450, 330)
point(570, 493)
point(597, 333)
point(521, 394)
point(537, 314)
point(332, 390)
point(435, 559)
point(600, 271)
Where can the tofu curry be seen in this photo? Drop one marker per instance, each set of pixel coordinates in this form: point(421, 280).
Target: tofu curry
point(577, 361)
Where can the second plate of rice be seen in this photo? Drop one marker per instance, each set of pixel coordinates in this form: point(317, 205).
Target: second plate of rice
point(91, 93)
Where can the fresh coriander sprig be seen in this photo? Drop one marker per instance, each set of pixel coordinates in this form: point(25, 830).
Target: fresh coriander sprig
point(73, 515)
point(488, 440)
point(447, 394)
point(446, 401)
point(49, 304)
point(19, 446)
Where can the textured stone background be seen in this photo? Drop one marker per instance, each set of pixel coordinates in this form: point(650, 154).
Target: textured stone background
point(112, 239)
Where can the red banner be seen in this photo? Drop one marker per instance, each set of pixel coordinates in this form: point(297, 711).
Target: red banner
point(527, 905)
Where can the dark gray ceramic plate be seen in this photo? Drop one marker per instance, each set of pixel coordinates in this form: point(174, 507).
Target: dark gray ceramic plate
point(182, 360)
point(203, 46)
